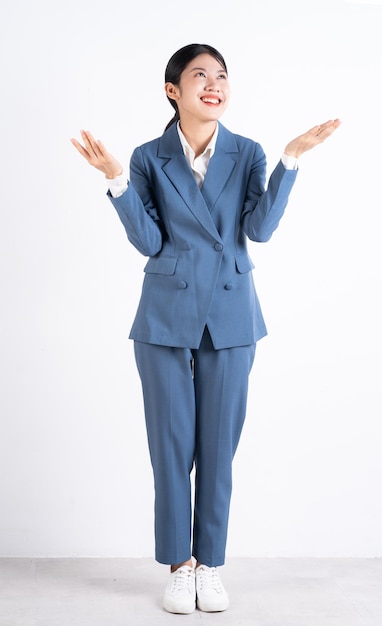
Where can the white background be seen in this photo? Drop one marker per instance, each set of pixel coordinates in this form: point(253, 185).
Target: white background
point(75, 476)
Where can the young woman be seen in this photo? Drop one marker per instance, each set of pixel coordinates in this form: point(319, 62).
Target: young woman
point(194, 196)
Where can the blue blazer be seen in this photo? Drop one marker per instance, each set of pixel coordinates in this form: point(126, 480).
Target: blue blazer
point(199, 273)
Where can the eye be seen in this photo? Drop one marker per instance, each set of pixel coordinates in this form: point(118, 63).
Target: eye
point(223, 76)
point(200, 74)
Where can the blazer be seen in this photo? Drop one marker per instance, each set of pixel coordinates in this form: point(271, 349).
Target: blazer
point(199, 272)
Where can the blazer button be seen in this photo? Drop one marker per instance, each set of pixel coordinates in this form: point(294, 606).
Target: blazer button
point(228, 286)
point(182, 284)
point(186, 246)
point(218, 247)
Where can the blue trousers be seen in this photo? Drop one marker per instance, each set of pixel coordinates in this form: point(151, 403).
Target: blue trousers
point(195, 404)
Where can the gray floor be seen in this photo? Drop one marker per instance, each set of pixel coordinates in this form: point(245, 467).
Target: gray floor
point(127, 592)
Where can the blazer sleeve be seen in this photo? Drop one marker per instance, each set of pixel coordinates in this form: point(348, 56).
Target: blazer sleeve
point(136, 209)
point(263, 208)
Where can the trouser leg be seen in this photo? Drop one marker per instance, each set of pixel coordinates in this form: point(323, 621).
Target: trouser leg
point(221, 386)
point(193, 419)
point(169, 400)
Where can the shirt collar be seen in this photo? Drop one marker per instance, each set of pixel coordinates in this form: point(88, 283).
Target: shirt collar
point(187, 148)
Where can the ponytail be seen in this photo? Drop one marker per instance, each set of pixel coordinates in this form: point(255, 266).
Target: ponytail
point(173, 120)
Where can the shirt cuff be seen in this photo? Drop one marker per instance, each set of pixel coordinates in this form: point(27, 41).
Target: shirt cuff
point(118, 185)
point(289, 162)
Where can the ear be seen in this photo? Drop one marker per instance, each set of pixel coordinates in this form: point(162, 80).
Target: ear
point(172, 91)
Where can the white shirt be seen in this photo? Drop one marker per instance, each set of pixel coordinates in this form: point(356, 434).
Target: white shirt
point(198, 165)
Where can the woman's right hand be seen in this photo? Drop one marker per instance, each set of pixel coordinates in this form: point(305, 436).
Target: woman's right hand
point(96, 155)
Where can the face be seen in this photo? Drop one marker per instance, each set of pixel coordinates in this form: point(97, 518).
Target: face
point(203, 91)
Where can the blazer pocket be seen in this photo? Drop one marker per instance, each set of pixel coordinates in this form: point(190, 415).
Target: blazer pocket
point(161, 265)
point(244, 263)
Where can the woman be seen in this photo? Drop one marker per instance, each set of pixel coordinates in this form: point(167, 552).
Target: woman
point(194, 196)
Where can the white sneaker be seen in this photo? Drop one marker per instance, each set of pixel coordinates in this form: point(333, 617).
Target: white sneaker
point(180, 595)
point(210, 593)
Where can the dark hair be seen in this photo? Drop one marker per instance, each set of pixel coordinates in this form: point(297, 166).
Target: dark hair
point(179, 61)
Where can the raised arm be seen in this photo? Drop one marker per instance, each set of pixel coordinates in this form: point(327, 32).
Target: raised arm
point(264, 208)
point(138, 215)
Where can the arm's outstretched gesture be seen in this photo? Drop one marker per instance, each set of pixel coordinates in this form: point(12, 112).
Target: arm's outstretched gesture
point(311, 138)
point(96, 154)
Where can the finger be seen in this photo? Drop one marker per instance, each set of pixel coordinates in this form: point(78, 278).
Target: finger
point(80, 148)
point(329, 128)
point(90, 143)
point(334, 122)
point(314, 130)
point(325, 124)
point(321, 128)
point(102, 148)
point(330, 125)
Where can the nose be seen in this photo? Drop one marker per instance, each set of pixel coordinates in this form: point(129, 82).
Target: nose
point(212, 87)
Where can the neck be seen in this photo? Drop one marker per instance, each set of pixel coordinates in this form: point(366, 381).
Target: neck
point(198, 135)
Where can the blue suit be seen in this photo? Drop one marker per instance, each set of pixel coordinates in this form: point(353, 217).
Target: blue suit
point(197, 322)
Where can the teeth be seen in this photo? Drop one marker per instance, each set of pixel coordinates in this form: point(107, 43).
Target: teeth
point(211, 100)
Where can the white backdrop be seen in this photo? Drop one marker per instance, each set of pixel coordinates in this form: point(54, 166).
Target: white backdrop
point(75, 477)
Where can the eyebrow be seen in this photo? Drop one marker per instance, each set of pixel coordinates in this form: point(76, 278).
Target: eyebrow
point(204, 70)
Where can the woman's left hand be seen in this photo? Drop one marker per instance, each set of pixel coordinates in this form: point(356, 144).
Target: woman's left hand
point(311, 138)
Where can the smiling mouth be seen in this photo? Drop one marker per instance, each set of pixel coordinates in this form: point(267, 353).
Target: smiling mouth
point(210, 100)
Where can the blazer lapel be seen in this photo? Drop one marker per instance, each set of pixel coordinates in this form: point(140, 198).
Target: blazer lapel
point(219, 170)
point(200, 202)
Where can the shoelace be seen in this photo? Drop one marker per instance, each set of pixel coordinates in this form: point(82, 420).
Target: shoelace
point(209, 578)
point(183, 581)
